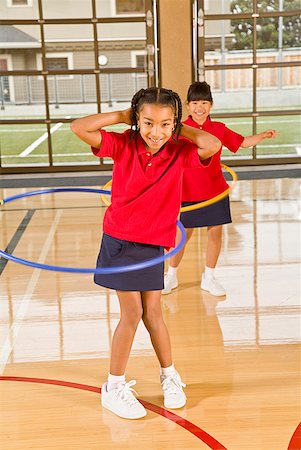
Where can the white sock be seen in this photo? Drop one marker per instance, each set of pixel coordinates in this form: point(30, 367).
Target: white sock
point(172, 271)
point(209, 272)
point(167, 371)
point(113, 380)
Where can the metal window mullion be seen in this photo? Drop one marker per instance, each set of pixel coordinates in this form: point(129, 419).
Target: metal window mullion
point(156, 45)
point(96, 52)
point(151, 30)
point(280, 44)
point(201, 41)
point(45, 80)
point(254, 73)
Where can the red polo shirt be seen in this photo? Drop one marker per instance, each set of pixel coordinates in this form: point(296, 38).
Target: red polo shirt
point(207, 181)
point(146, 189)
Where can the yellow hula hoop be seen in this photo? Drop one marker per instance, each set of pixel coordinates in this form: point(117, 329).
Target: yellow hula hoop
point(104, 196)
point(197, 205)
point(217, 197)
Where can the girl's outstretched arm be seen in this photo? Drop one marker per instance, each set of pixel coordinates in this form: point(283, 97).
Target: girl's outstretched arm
point(249, 141)
point(87, 128)
point(207, 144)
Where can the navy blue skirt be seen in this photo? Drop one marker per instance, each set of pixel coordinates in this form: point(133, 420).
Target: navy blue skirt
point(216, 214)
point(116, 252)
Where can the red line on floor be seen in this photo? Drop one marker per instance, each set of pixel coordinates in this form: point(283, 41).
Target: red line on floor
point(193, 429)
point(295, 442)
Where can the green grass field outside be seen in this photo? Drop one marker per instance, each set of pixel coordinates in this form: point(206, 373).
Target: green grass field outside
point(68, 149)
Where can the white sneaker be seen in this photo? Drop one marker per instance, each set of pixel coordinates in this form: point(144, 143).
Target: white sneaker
point(174, 396)
point(170, 283)
point(211, 285)
point(122, 401)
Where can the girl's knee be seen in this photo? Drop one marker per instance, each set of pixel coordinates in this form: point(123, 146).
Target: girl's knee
point(132, 315)
point(152, 319)
point(215, 232)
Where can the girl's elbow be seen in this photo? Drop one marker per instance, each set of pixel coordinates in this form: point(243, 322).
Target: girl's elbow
point(74, 126)
point(216, 145)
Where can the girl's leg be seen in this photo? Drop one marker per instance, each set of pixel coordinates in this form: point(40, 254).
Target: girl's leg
point(209, 283)
point(130, 316)
point(171, 382)
point(154, 322)
point(214, 245)
point(170, 278)
point(176, 259)
point(117, 395)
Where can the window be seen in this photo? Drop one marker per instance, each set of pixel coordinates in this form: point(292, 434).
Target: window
point(138, 59)
point(130, 7)
point(19, 3)
point(57, 61)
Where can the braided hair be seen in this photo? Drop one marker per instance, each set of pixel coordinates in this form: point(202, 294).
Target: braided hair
point(154, 95)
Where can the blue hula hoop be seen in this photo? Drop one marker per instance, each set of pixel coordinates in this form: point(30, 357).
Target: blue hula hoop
point(137, 266)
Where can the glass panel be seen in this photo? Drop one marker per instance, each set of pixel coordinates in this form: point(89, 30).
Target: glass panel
point(267, 32)
point(132, 57)
point(278, 5)
point(68, 149)
point(289, 136)
point(22, 97)
point(71, 89)
point(56, 9)
point(122, 32)
point(115, 8)
point(19, 12)
point(121, 87)
point(227, 6)
point(278, 88)
point(291, 5)
point(226, 43)
point(242, 32)
point(278, 32)
point(231, 89)
point(130, 6)
point(241, 6)
point(23, 145)
point(68, 47)
point(242, 126)
point(19, 46)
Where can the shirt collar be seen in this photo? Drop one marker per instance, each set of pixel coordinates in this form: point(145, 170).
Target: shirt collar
point(192, 123)
point(165, 152)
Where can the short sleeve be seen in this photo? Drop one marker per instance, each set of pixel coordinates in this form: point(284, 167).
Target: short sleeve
point(111, 144)
point(191, 159)
point(232, 140)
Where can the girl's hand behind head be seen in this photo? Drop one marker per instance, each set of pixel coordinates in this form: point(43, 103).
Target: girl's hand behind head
point(126, 116)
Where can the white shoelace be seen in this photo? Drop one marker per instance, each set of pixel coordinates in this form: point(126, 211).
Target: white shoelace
point(172, 384)
point(125, 392)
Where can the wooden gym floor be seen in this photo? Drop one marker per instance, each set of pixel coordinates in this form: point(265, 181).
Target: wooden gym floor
point(239, 355)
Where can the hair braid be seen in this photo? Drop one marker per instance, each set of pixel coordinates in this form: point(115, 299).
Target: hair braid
point(178, 117)
point(134, 106)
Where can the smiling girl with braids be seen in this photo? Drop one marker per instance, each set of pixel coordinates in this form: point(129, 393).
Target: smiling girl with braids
point(149, 160)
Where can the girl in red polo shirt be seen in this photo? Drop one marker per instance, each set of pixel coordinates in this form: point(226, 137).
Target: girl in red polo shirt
point(149, 161)
point(204, 183)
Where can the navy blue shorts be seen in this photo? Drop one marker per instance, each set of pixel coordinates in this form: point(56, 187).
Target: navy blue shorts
point(216, 214)
point(116, 252)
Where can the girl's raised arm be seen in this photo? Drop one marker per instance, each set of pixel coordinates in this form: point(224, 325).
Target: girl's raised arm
point(249, 141)
point(87, 128)
point(207, 144)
